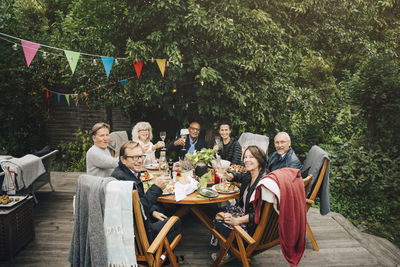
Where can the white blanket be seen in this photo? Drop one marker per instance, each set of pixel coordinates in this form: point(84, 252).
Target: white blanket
point(118, 224)
point(270, 192)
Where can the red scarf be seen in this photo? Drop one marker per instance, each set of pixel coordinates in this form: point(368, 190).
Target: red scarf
point(292, 212)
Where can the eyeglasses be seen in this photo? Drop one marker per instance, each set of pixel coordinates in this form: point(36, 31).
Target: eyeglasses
point(144, 130)
point(195, 129)
point(136, 158)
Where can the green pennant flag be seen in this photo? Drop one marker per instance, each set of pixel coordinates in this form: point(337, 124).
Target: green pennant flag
point(72, 58)
point(67, 98)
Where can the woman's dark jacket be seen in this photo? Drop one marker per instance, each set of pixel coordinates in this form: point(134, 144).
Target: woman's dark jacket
point(234, 153)
point(148, 199)
point(245, 179)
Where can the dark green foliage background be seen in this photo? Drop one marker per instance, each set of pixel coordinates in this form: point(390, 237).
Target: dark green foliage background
point(327, 72)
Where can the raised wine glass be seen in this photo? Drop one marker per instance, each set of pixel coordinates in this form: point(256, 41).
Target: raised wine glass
point(163, 135)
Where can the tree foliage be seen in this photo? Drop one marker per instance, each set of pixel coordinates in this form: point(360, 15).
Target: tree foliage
point(325, 71)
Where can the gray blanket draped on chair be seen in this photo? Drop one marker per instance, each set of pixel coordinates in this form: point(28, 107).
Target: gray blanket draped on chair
point(312, 165)
point(88, 238)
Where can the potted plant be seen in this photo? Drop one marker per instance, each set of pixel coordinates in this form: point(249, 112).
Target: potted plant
point(201, 159)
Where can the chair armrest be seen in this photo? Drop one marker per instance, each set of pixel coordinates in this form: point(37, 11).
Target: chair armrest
point(49, 154)
point(309, 201)
point(162, 235)
point(249, 240)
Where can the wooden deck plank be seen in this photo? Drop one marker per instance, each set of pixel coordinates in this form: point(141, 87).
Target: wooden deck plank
point(340, 243)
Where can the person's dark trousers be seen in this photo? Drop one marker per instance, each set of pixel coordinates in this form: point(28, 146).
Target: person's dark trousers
point(173, 232)
point(225, 231)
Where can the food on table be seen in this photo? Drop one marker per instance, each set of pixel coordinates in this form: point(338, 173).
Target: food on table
point(225, 187)
point(236, 168)
point(170, 188)
point(5, 199)
point(145, 176)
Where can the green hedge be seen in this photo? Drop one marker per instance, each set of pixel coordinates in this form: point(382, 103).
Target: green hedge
point(365, 188)
point(73, 154)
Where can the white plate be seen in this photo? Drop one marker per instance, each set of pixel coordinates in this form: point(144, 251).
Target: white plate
point(13, 202)
point(153, 166)
point(235, 190)
point(166, 193)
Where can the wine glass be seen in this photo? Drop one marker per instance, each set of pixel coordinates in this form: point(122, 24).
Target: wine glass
point(183, 136)
point(218, 142)
point(163, 135)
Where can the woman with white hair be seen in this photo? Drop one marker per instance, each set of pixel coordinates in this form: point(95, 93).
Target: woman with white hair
point(143, 134)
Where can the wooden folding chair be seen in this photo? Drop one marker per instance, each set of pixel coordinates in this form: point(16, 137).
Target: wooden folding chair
point(311, 200)
point(150, 254)
point(265, 237)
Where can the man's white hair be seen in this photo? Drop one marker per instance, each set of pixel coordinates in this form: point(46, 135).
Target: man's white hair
point(285, 134)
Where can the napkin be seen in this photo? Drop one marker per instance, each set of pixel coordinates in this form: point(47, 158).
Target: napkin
point(182, 190)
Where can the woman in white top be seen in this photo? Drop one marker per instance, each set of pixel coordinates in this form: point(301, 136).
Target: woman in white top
point(143, 134)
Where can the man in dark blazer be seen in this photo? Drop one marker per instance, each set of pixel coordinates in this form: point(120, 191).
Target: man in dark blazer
point(193, 142)
point(284, 156)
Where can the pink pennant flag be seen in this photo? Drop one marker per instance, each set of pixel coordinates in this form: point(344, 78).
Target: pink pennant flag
point(30, 50)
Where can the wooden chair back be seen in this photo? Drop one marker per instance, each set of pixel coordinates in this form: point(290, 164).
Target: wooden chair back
point(150, 254)
point(311, 200)
point(265, 236)
point(318, 183)
point(307, 183)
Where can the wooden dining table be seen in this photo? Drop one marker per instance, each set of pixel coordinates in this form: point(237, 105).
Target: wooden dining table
point(193, 202)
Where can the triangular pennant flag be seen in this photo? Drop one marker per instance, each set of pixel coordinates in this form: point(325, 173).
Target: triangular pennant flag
point(67, 98)
point(161, 65)
point(30, 50)
point(123, 82)
point(107, 62)
point(72, 58)
point(76, 99)
point(58, 98)
point(86, 97)
point(47, 94)
point(138, 67)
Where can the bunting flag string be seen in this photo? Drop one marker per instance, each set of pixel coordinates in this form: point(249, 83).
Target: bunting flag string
point(31, 48)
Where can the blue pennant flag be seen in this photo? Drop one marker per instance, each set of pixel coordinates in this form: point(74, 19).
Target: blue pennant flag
point(123, 82)
point(58, 98)
point(107, 62)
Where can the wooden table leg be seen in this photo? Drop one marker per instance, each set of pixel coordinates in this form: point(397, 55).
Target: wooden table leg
point(202, 216)
point(182, 211)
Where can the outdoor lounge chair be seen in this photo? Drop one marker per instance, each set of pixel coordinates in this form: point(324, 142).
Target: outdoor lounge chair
point(150, 254)
point(45, 177)
point(40, 181)
point(317, 165)
point(265, 237)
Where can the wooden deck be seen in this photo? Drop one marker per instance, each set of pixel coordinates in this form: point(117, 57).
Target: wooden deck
point(341, 244)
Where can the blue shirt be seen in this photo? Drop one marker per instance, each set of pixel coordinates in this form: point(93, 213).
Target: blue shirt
point(192, 145)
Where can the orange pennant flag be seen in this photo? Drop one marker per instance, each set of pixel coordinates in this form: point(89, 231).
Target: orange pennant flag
point(161, 65)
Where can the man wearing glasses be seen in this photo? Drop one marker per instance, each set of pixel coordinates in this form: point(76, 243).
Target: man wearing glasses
point(193, 142)
point(131, 158)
